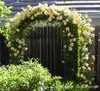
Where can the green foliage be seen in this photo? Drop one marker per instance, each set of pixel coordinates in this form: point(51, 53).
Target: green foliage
point(31, 76)
point(4, 20)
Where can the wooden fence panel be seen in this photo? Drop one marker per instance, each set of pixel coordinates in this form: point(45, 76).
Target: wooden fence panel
point(97, 55)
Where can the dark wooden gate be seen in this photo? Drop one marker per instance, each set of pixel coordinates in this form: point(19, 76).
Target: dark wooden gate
point(44, 44)
point(4, 52)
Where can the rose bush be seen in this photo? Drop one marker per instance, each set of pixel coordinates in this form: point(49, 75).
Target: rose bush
point(73, 28)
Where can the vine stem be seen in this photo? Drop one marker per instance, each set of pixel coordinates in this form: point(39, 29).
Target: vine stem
point(78, 53)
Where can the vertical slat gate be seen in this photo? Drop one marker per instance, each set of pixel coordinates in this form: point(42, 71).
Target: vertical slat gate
point(44, 44)
point(97, 55)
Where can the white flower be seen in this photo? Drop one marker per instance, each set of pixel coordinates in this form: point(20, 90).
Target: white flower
point(12, 48)
point(82, 39)
point(56, 13)
point(46, 13)
point(71, 44)
point(89, 20)
point(64, 22)
point(86, 64)
point(17, 40)
point(17, 30)
point(87, 57)
point(20, 42)
point(90, 41)
point(19, 46)
point(67, 20)
point(69, 34)
point(5, 78)
point(93, 57)
point(26, 49)
point(50, 19)
point(89, 68)
point(22, 52)
point(59, 18)
point(15, 54)
point(92, 35)
point(82, 75)
point(70, 40)
point(74, 39)
point(86, 49)
point(70, 49)
point(83, 67)
point(17, 51)
point(9, 44)
point(93, 79)
point(96, 86)
point(65, 46)
point(67, 29)
point(29, 70)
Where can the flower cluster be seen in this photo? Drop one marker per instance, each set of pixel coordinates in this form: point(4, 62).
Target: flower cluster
point(76, 33)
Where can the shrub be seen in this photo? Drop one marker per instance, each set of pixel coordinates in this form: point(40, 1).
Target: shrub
point(30, 76)
point(4, 11)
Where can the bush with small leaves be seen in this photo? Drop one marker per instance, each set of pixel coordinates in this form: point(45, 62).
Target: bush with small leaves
point(31, 76)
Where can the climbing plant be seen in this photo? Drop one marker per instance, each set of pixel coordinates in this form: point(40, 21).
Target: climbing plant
point(73, 28)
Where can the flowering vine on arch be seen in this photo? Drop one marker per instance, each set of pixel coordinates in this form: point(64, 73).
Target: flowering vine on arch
point(76, 33)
